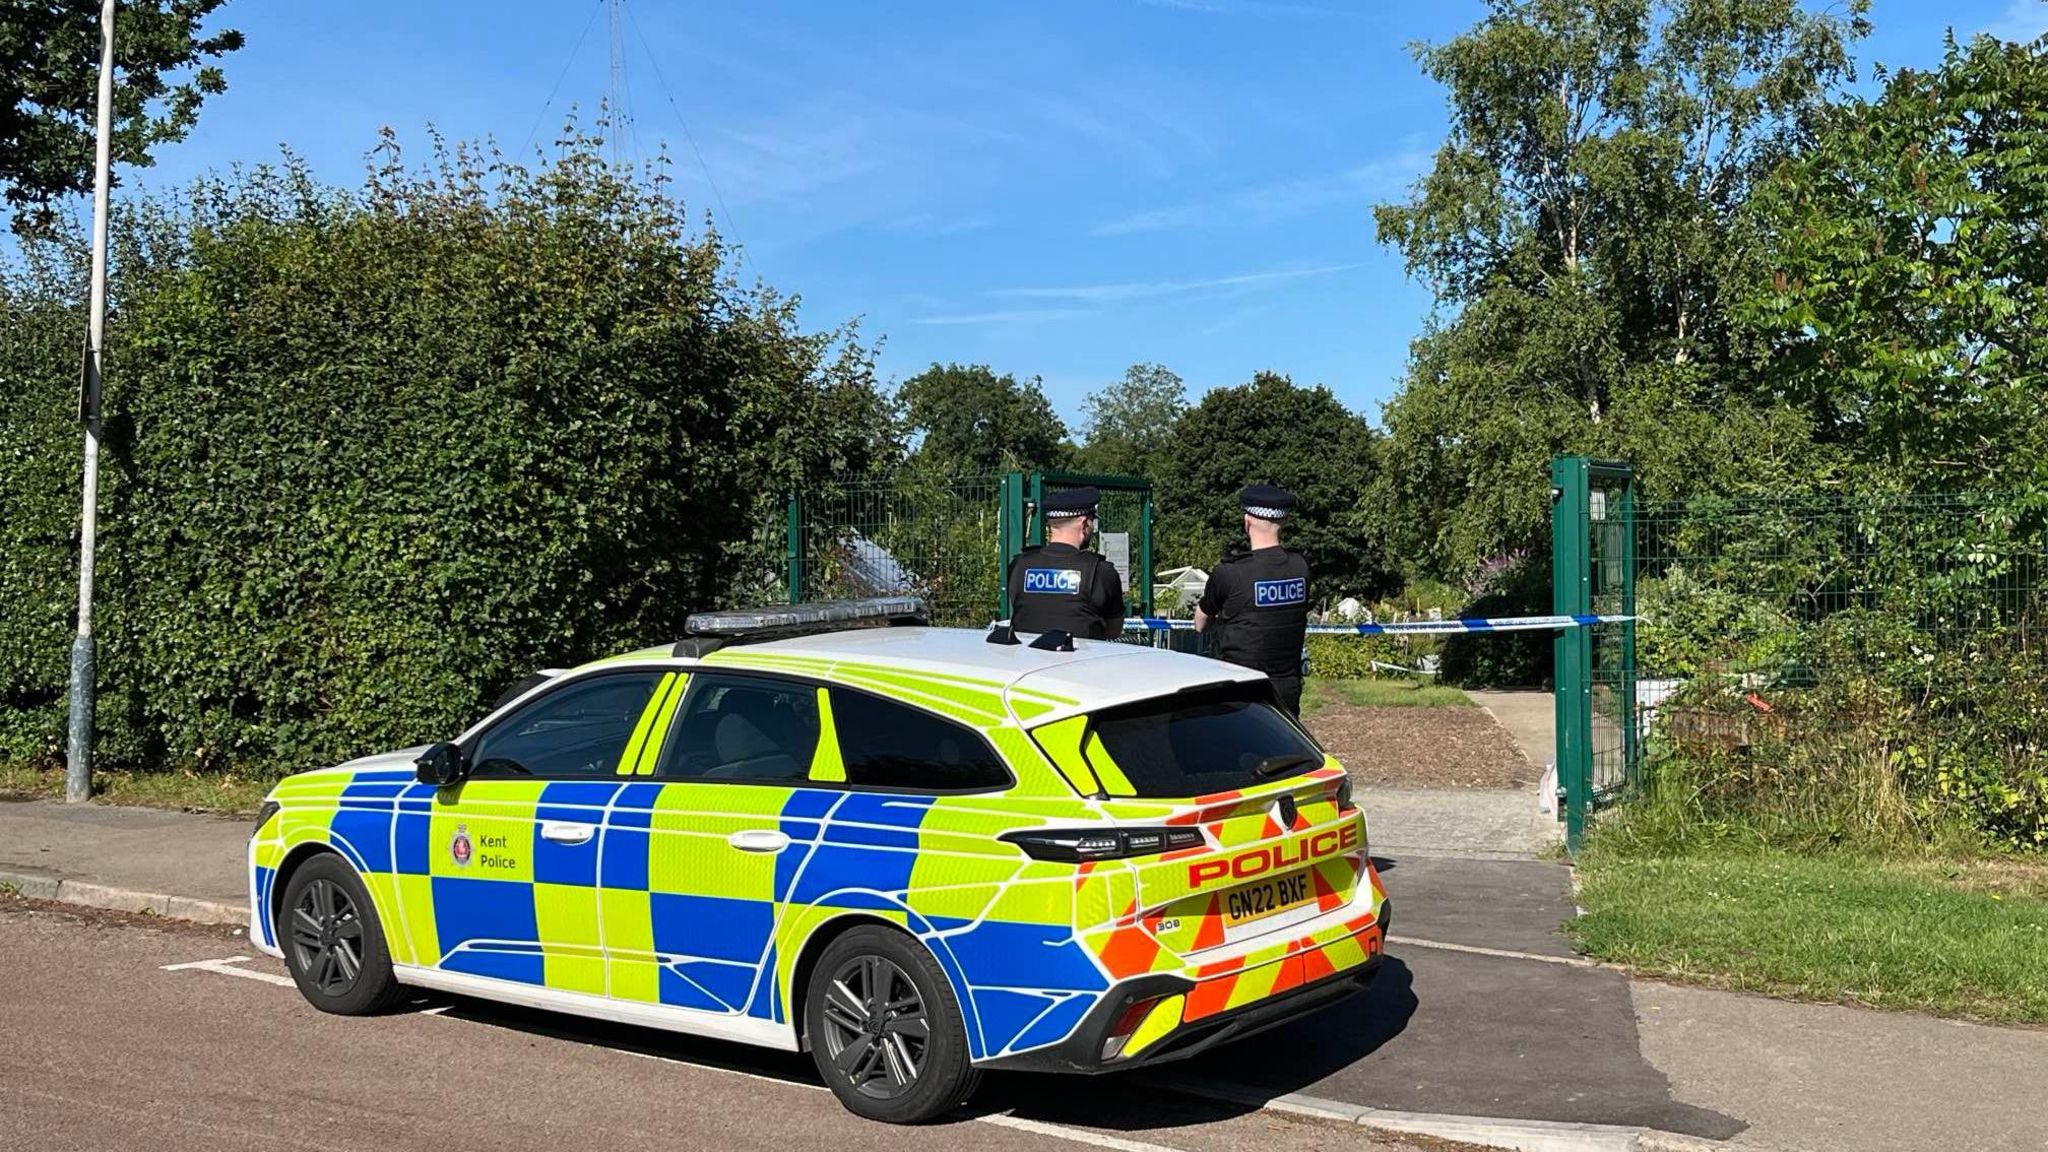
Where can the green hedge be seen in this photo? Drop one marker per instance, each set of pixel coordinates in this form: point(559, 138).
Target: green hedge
point(375, 452)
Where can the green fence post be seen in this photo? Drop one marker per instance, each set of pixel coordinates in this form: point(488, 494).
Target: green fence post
point(1009, 533)
point(794, 548)
point(1034, 511)
point(1631, 734)
point(1572, 653)
point(1144, 573)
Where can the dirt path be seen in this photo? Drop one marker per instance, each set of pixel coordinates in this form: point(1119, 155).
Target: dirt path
point(1422, 747)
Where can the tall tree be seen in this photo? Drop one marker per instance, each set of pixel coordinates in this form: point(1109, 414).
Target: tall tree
point(968, 420)
point(1271, 431)
point(1129, 422)
point(1909, 299)
point(1582, 225)
point(49, 76)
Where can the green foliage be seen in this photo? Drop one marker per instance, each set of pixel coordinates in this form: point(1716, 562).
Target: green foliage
point(1517, 585)
point(1274, 432)
point(375, 452)
point(43, 318)
point(1351, 657)
point(49, 91)
point(1909, 302)
point(968, 421)
point(1583, 224)
point(1886, 736)
point(1130, 423)
point(1691, 628)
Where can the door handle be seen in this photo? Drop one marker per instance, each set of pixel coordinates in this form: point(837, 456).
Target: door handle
point(567, 831)
point(758, 840)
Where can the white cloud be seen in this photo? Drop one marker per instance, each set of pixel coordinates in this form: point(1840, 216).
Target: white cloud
point(1151, 290)
point(1006, 318)
point(2024, 20)
point(1278, 200)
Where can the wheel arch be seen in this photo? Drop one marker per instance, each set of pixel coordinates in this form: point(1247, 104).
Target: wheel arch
point(821, 937)
point(294, 859)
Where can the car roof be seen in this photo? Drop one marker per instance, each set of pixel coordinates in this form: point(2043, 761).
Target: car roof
point(1039, 686)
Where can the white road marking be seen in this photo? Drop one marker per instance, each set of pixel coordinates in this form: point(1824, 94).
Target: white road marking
point(1076, 1135)
point(226, 967)
point(1503, 953)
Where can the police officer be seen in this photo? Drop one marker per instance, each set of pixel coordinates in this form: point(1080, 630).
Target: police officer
point(1257, 601)
point(1059, 585)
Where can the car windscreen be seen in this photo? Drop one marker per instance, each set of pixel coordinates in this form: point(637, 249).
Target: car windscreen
point(1203, 741)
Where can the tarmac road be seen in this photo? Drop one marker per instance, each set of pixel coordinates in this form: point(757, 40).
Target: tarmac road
point(105, 1049)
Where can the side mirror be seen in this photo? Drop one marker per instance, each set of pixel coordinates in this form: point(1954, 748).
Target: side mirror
point(440, 765)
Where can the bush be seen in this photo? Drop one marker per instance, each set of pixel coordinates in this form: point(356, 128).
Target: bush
point(388, 448)
point(1351, 657)
point(1520, 587)
point(1689, 628)
point(1894, 736)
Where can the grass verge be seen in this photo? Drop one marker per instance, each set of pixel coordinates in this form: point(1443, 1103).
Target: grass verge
point(1376, 693)
point(186, 791)
point(1958, 938)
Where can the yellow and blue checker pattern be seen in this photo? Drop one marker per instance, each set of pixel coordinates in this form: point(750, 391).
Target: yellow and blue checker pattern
point(659, 906)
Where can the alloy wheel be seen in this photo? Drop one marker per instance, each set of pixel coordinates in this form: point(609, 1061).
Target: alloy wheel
point(876, 1033)
point(327, 937)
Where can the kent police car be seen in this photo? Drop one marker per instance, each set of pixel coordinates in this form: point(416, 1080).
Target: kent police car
point(914, 853)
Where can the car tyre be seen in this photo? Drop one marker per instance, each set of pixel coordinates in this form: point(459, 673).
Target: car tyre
point(886, 1030)
point(333, 942)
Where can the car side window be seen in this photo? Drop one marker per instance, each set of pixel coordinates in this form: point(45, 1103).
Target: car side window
point(744, 729)
point(579, 729)
point(889, 745)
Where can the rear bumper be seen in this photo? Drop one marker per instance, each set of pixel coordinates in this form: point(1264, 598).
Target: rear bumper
point(1199, 1029)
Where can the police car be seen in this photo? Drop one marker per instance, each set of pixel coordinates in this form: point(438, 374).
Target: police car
point(915, 854)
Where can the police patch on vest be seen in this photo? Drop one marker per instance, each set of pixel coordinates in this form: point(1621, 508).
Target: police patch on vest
point(1057, 581)
point(1278, 593)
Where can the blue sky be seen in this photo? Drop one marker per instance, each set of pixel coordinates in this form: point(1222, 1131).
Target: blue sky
point(1053, 187)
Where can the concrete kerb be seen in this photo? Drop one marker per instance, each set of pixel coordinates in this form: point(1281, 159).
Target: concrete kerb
point(37, 886)
point(1479, 1131)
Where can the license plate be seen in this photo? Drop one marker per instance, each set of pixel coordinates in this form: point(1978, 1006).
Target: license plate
point(1254, 901)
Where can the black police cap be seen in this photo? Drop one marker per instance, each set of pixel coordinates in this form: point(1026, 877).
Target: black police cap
point(1071, 503)
point(1266, 501)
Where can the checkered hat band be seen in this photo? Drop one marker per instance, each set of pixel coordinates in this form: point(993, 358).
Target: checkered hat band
point(1067, 513)
point(1267, 513)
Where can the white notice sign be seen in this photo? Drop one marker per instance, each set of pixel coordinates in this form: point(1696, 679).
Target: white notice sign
point(1116, 548)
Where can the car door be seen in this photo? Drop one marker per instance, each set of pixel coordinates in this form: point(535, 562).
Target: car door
point(696, 858)
point(505, 862)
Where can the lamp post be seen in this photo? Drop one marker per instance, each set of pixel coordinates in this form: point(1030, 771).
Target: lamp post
point(78, 762)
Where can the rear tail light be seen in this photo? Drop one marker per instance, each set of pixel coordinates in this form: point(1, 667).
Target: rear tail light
point(1076, 845)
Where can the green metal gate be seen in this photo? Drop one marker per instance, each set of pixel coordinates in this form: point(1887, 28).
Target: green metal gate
point(1126, 510)
point(1593, 572)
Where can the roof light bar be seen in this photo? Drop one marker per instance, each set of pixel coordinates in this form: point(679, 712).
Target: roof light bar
point(820, 615)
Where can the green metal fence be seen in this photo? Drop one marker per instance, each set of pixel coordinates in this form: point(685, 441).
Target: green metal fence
point(935, 537)
point(947, 539)
point(1886, 647)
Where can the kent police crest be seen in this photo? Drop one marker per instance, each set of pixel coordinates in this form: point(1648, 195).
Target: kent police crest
point(460, 848)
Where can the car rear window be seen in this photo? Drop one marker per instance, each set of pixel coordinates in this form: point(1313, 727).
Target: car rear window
point(1204, 741)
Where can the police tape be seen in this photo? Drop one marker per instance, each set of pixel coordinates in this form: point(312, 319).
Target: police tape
point(1411, 627)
